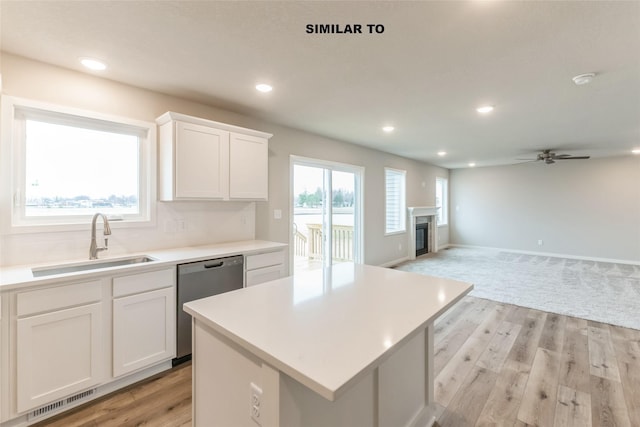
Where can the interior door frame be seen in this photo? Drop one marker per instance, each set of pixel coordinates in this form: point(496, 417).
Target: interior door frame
point(358, 214)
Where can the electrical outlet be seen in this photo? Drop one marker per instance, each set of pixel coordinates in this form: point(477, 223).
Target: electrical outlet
point(255, 403)
point(540, 242)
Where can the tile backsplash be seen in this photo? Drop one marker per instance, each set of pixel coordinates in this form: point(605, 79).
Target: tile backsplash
point(178, 224)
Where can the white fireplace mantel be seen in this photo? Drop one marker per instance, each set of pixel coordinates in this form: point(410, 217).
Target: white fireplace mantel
point(422, 211)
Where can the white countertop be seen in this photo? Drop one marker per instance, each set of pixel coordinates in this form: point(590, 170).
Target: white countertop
point(20, 276)
point(327, 329)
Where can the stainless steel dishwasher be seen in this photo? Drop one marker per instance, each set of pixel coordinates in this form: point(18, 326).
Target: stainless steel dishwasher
point(200, 280)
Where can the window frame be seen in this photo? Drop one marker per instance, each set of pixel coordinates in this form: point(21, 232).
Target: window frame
point(444, 211)
point(15, 112)
point(402, 205)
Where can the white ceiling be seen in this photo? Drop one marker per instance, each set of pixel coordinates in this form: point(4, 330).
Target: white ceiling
point(429, 70)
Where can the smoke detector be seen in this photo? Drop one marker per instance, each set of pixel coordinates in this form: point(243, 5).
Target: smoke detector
point(583, 79)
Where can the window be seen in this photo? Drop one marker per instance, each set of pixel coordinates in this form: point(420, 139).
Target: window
point(69, 165)
point(442, 201)
point(395, 210)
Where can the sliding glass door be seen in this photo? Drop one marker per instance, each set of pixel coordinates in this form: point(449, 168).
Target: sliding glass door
point(327, 209)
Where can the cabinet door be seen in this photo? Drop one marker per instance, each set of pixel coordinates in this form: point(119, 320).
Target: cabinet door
point(144, 328)
point(248, 167)
point(58, 354)
point(201, 162)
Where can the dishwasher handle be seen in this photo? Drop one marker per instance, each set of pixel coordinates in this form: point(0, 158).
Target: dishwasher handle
point(215, 265)
point(210, 264)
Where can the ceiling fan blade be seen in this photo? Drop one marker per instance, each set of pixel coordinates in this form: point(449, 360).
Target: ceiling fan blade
point(530, 160)
point(573, 158)
point(559, 156)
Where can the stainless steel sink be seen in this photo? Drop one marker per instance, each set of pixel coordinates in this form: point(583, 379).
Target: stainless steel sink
point(89, 265)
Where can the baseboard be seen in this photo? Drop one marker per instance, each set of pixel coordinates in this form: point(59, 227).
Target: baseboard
point(394, 262)
point(406, 258)
point(550, 254)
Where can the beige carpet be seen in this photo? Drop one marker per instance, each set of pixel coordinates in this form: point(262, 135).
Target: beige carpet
point(601, 291)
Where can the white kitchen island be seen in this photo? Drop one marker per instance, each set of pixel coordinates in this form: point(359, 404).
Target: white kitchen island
point(347, 346)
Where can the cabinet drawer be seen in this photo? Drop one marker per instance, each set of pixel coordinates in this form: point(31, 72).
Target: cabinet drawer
point(59, 297)
point(143, 282)
point(264, 260)
point(261, 275)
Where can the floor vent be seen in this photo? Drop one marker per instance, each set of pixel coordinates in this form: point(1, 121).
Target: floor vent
point(55, 406)
point(46, 409)
point(80, 396)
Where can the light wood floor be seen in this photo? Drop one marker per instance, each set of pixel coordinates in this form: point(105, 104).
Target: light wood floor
point(496, 364)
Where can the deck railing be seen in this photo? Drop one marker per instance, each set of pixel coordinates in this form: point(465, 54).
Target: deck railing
point(299, 243)
point(342, 242)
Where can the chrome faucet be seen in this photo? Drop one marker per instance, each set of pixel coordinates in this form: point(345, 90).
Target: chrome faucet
point(94, 249)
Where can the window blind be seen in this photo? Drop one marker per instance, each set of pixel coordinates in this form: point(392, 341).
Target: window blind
point(395, 215)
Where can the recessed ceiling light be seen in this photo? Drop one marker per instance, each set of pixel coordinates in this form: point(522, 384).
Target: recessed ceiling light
point(93, 64)
point(263, 87)
point(636, 151)
point(442, 153)
point(472, 164)
point(485, 109)
point(583, 79)
point(388, 129)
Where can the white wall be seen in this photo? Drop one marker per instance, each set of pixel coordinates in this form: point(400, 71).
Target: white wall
point(207, 222)
point(583, 208)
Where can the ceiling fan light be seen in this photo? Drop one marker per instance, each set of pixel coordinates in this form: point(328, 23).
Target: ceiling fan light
point(264, 88)
point(583, 79)
point(93, 64)
point(485, 109)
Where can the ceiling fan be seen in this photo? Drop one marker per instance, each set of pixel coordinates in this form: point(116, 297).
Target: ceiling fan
point(550, 157)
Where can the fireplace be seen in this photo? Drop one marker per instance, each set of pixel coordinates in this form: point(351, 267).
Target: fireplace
point(422, 236)
point(423, 231)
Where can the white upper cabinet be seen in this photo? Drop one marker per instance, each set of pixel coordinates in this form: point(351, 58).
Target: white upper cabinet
point(201, 166)
point(206, 160)
point(248, 167)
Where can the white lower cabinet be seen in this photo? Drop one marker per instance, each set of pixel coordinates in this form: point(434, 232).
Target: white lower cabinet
point(65, 342)
point(263, 267)
point(143, 330)
point(261, 275)
point(69, 338)
point(144, 320)
point(58, 348)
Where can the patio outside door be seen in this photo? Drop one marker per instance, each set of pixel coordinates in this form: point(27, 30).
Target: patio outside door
point(326, 203)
